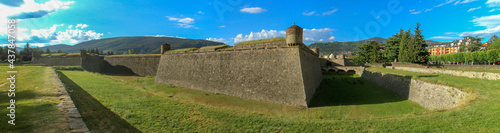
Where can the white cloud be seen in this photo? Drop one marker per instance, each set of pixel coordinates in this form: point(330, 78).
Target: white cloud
point(427, 10)
point(70, 26)
point(464, 2)
point(222, 40)
point(53, 35)
point(445, 3)
point(330, 12)
point(492, 24)
point(183, 22)
point(200, 12)
point(164, 36)
point(475, 8)
point(493, 3)
point(412, 11)
point(253, 10)
point(81, 26)
point(222, 26)
point(308, 13)
point(310, 35)
point(444, 37)
point(30, 9)
point(492, 10)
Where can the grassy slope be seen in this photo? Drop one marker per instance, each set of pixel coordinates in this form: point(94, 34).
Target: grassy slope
point(152, 107)
point(268, 40)
point(36, 101)
point(481, 114)
point(476, 70)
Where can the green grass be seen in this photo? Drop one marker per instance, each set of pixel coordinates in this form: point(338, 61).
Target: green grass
point(183, 50)
point(276, 39)
point(134, 55)
point(474, 70)
point(215, 47)
point(36, 101)
point(137, 104)
point(152, 107)
point(226, 49)
point(60, 54)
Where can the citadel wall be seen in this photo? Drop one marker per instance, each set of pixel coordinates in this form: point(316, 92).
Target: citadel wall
point(142, 65)
point(69, 60)
point(427, 95)
point(283, 75)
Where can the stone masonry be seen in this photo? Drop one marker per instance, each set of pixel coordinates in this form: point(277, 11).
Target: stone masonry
point(427, 95)
point(274, 72)
point(469, 74)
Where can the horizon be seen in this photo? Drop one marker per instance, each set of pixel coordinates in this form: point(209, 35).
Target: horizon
point(52, 22)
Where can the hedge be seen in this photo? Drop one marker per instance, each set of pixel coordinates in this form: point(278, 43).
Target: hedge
point(489, 57)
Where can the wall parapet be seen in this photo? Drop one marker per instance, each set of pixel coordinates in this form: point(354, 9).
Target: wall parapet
point(427, 95)
point(268, 45)
point(469, 74)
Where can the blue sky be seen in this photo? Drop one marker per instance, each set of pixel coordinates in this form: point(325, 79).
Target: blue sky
point(50, 22)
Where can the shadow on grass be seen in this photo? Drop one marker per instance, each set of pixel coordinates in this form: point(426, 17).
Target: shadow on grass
point(21, 96)
point(97, 117)
point(343, 88)
point(427, 76)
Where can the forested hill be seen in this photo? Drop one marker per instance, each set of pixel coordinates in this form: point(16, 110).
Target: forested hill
point(141, 45)
point(338, 47)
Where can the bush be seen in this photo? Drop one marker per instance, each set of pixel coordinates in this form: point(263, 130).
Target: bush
point(489, 56)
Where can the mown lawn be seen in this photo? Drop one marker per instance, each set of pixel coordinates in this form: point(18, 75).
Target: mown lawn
point(475, 70)
point(343, 104)
point(36, 98)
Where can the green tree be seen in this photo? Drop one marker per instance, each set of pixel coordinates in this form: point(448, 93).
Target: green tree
point(47, 51)
point(392, 46)
point(492, 39)
point(495, 44)
point(404, 46)
point(413, 47)
point(370, 51)
point(420, 53)
point(59, 51)
point(474, 44)
point(131, 51)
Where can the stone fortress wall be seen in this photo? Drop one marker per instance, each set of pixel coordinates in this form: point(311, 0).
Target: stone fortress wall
point(69, 60)
point(281, 72)
point(142, 65)
point(428, 95)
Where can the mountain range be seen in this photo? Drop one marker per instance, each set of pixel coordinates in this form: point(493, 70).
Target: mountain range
point(151, 45)
point(141, 45)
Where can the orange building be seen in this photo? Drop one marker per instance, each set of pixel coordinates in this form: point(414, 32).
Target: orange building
point(440, 49)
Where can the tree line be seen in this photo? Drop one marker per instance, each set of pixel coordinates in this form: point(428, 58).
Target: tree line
point(482, 57)
point(403, 47)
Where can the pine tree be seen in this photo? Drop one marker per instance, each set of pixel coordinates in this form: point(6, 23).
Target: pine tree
point(492, 39)
point(404, 47)
point(47, 51)
point(392, 47)
point(420, 53)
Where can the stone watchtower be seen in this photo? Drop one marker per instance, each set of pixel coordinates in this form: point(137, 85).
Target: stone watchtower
point(294, 35)
point(165, 47)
